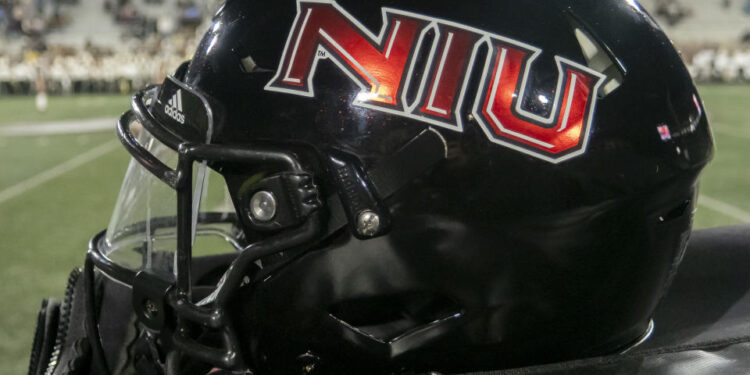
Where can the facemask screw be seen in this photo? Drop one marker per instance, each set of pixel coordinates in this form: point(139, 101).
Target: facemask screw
point(368, 223)
point(309, 362)
point(150, 309)
point(263, 206)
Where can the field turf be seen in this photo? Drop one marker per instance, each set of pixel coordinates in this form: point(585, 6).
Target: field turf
point(46, 222)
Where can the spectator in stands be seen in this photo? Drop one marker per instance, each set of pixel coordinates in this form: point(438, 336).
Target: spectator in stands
point(672, 11)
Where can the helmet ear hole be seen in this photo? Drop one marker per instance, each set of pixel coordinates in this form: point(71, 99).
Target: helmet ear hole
point(386, 318)
point(676, 212)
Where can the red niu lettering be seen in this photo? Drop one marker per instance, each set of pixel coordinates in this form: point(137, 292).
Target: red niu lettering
point(445, 74)
point(384, 65)
point(502, 92)
point(377, 63)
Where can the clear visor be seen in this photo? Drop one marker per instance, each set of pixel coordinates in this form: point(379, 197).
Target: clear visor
point(142, 234)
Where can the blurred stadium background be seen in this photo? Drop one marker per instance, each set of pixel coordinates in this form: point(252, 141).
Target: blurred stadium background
point(67, 68)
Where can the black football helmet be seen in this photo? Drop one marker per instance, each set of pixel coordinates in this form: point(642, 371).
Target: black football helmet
point(405, 186)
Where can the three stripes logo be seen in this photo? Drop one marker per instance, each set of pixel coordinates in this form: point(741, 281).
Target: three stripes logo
point(173, 108)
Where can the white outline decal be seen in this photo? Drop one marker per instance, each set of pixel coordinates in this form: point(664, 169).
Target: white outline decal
point(296, 47)
point(561, 63)
point(353, 61)
point(438, 76)
point(409, 110)
point(393, 38)
point(493, 92)
point(569, 103)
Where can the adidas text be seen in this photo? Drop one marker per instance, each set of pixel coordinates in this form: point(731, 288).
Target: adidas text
point(173, 108)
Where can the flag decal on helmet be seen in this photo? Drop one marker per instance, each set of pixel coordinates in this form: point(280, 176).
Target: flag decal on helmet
point(384, 67)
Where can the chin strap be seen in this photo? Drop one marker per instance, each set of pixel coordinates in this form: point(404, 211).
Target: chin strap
point(361, 195)
point(99, 362)
point(44, 337)
point(65, 337)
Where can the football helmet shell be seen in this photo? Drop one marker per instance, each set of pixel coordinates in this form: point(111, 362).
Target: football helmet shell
point(412, 185)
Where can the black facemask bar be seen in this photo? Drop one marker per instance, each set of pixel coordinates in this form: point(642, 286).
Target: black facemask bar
point(155, 296)
point(359, 194)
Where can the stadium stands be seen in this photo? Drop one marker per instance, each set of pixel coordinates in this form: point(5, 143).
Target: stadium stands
point(701, 21)
point(713, 36)
point(79, 46)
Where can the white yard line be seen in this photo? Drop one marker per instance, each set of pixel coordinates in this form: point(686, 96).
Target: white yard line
point(724, 208)
point(59, 127)
point(57, 171)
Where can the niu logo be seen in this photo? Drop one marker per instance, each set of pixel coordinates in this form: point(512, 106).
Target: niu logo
point(383, 66)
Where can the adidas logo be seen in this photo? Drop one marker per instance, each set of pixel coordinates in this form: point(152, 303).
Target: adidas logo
point(173, 108)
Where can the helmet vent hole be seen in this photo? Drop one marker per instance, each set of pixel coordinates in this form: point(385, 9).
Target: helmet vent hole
point(249, 65)
point(676, 212)
point(598, 58)
point(389, 317)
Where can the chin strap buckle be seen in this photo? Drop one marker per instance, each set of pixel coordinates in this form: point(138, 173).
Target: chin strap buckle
point(150, 293)
point(362, 193)
point(367, 215)
point(281, 201)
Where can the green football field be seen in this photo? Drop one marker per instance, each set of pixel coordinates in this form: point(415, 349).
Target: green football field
point(57, 190)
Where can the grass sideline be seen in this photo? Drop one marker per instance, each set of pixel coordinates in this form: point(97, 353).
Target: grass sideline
point(45, 230)
point(21, 109)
